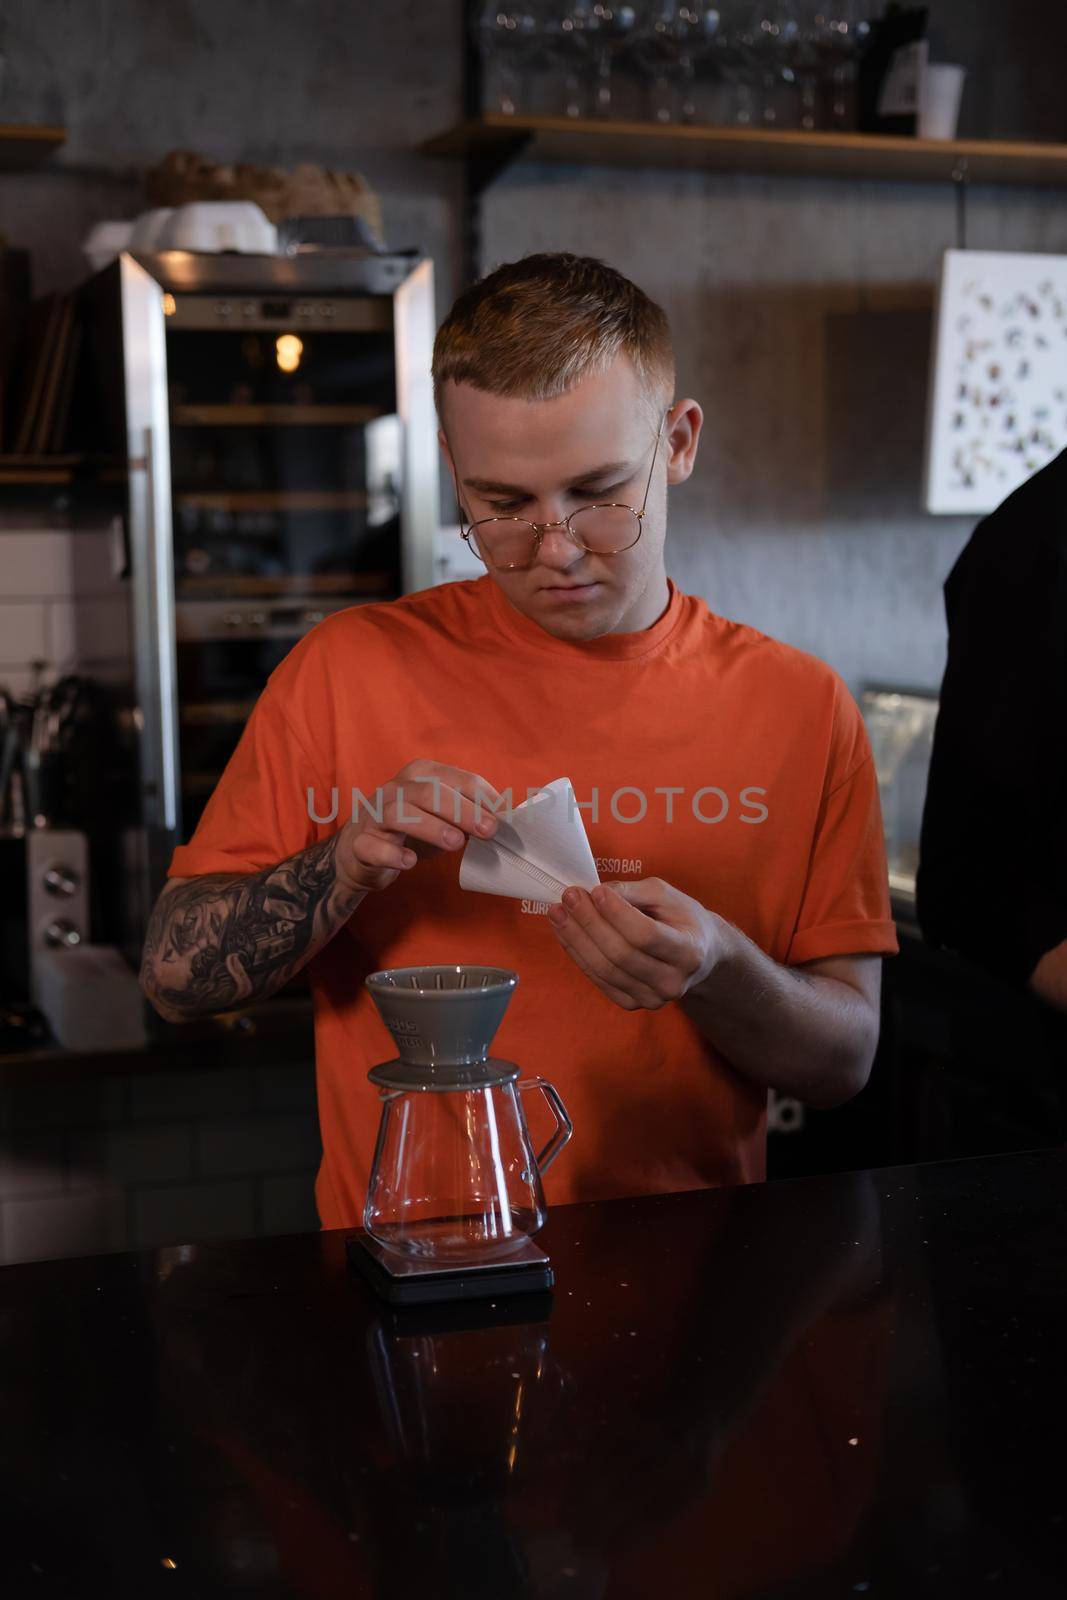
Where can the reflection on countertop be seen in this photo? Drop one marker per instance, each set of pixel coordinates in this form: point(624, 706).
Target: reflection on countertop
point(825, 1387)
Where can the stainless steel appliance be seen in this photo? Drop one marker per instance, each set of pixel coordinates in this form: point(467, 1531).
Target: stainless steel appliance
point(276, 414)
point(900, 724)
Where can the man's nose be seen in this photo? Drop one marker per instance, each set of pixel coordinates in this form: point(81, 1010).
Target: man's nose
point(558, 547)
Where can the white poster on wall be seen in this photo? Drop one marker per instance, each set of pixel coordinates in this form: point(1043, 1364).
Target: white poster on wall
point(998, 383)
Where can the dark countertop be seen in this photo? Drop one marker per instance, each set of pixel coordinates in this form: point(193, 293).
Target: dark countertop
point(828, 1387)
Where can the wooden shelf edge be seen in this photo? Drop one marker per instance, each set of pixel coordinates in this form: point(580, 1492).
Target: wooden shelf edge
point(27, 144)
point(59, 469)
point(755, 149)
point(33, 475)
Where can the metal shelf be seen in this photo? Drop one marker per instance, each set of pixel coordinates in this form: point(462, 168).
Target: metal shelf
point(38, 469)
point(273, 499)
point(210, 713)
point(60, 469)
point(293, 589)
point(272, 416)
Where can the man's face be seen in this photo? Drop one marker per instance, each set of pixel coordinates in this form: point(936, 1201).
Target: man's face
point(541, 460)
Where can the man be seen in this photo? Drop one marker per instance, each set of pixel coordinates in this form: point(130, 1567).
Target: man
point(726, 783)
point(992, 879)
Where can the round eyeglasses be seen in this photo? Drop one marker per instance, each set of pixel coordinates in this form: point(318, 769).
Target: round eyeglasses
point(509, 543)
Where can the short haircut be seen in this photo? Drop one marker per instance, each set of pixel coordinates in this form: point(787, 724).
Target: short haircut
point(534, 328)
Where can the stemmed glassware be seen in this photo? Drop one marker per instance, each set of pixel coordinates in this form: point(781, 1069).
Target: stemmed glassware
point(807, 62)
point(610, 31)
point(673, 37)
point(565, 28)
point(770, 37)
point(757, 63)
point(731, 66)
point(843, 27)
point(584, 38)
point(506, 36)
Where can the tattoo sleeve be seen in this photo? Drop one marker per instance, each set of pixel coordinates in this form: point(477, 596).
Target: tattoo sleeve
point(222, 940)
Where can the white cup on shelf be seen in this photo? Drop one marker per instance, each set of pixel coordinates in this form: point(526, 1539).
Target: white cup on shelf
point(939, 106)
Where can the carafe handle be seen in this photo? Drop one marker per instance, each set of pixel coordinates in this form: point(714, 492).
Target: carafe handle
point(564, 1128)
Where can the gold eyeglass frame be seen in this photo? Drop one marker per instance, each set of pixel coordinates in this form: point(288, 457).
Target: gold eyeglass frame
point(541, 528)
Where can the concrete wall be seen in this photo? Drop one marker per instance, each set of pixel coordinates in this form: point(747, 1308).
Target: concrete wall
point(802, 318)
point(801, 307)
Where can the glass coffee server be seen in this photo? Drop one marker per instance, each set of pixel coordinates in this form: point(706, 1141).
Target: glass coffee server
point(276, 413)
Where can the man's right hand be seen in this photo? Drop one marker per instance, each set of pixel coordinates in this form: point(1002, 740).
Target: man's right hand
point(220, 940)
point(434, 806)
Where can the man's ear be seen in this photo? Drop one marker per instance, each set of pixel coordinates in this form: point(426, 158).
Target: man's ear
point(682, 440)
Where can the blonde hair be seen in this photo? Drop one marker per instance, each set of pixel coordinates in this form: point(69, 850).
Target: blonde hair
point(534, 328)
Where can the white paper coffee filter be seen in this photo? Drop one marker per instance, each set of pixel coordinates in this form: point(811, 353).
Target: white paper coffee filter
point(536, 852)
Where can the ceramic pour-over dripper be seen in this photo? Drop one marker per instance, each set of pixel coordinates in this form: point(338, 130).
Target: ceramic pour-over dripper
point(455, 1186)
point(442, 1018)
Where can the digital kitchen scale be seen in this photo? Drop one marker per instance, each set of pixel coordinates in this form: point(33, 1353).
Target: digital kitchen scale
point(405, 1281)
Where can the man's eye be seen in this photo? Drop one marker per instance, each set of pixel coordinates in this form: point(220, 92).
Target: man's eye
point(587, 496)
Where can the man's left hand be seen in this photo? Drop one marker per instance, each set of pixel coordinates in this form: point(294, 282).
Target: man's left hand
point(643, 943)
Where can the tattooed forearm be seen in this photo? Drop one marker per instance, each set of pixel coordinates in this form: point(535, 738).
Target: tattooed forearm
point(222, 940)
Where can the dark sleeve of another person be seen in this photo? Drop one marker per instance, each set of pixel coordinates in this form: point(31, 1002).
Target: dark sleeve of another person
point(992, 878)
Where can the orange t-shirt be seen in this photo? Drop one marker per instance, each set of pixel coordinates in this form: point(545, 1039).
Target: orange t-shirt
point(772, 819)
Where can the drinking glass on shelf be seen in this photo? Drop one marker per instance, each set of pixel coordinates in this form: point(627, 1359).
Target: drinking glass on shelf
point(671, 39)
point(611, 30)
point(771, 40)
point(565, 29)
point(844, 26)
point(808, 62)
point(734, 100)
point(507, 38)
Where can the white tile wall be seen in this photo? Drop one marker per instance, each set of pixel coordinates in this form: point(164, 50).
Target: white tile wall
point(63, 603)
point(35, 564)
point(23, 631)
point(189, 1213)
point(63, 632)
point(89, 632)
point(91, 1164)
point(32, 1167)
point(64, 1225)
point(97, 558)
point(23, 681)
